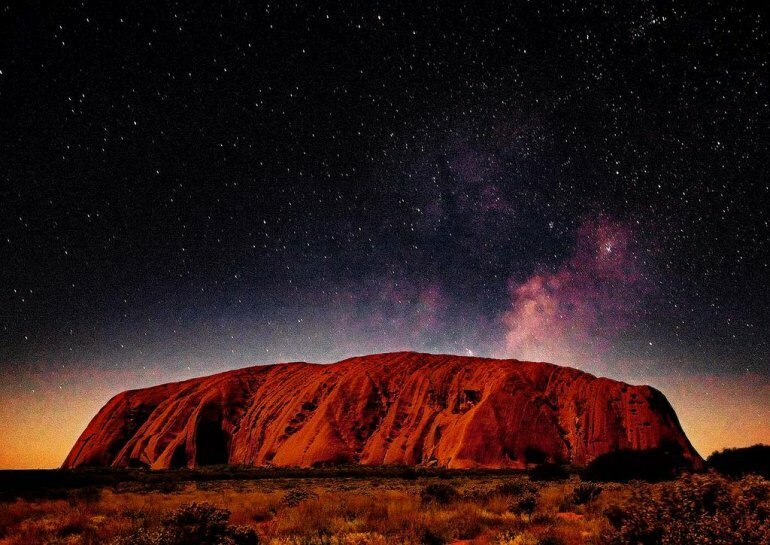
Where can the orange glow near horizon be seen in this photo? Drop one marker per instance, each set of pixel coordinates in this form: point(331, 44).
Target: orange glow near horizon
point(720, 412)
point(38, 428)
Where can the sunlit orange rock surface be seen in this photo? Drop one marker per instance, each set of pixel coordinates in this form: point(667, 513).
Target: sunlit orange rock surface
point(399, 408)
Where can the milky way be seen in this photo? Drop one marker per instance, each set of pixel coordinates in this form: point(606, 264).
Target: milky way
point(186, 189)
point(583, 304)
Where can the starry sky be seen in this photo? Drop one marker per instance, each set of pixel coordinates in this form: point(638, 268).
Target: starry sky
point(192, 187)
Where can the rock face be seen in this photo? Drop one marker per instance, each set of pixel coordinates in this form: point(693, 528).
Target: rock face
point(399, 408)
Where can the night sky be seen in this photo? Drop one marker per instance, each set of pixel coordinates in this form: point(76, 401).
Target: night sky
point(189, 187)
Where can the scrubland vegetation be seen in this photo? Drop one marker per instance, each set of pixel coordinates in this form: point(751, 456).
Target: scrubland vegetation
point(432, 509)
point(605, 503)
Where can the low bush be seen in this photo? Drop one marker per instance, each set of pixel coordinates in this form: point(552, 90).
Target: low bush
point(705, 509)
point(548, 472)
point(514, 488)
point(438, 493)
point(429, 537)
point(86, 495)
point(584, 493)
point(525, 505)
point(295, 496)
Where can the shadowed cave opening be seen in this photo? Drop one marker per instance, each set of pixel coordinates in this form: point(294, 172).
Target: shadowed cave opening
point(212, 443)
point(179, 458)
point(533, 455)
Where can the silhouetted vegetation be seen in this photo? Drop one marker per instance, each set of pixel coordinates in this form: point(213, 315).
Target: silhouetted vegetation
point(550, 540)
point(60, 483)
point(548, 472)
point(439, 493)
point(297, 495)
point(651, 465)
point(737, 462)
point(514, 488)
point(707, 509)
point(585, 492)
point(525, 505)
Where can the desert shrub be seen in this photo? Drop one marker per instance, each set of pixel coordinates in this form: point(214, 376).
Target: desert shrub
point(295, 496)
point(262, 515)
point(741, 461)
point(704, 509)
point(615, 515)
point(585, 492)
point(476, 492)
point(514, 488)
point(430, 537)
point(548, 472)
point(194, 524)
point(438, 493)
point(525, 505)
point(652, 465)
point(200, 522)
point(550, 540)
point(86, 495)
point(240, 535)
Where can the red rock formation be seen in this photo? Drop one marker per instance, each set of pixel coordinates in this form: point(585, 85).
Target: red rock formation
point(400, 408)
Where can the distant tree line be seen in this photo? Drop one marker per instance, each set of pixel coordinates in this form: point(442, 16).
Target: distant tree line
point(667, 462)
point(736, 462)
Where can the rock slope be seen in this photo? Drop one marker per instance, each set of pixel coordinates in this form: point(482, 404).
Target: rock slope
point(399, 408)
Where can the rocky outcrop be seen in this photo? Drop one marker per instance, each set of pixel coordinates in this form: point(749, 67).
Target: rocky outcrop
point(399, 408)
